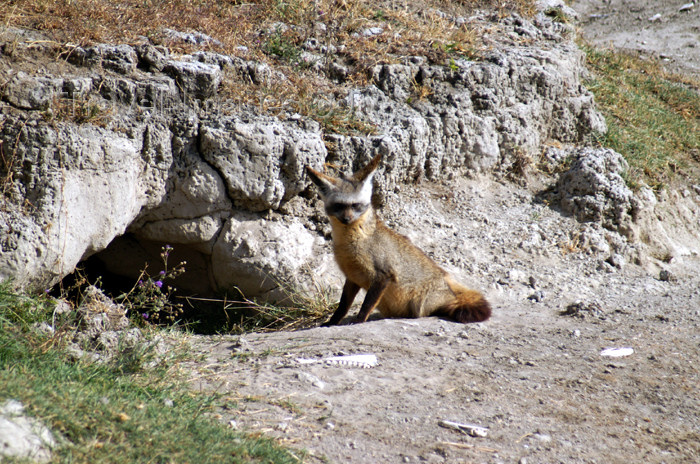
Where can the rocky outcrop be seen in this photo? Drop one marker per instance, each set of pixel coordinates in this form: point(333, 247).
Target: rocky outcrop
point(440, 121)
point(260, 159)
point(74, 188)
point(593, 190)
point(150, 153)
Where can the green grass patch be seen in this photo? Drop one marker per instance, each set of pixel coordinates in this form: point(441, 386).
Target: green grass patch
point(653, 117)
point(104, 413)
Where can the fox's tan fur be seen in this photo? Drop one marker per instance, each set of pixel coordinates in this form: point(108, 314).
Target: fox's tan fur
point(401, 280)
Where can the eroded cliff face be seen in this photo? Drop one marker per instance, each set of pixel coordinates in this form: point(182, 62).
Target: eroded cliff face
point(121, 149)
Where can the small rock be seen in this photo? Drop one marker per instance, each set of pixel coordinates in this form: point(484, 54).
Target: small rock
point(593, 189)
point(118, 58)
point(75, 352)
point(440, 332)
point(582, 309)
point(537, 296)
point(62, 307)
point(194, 38)
point(277, 28)
point(617, 352)
point(665, 276)
point(515, 275)
point(199, 79)
point(617, 260)
point(282, 426)
point(338, 72)
point(241, 345)
point(311, 379)
point(32, 93)
point(372, 31)
point(43, 328)
point(605, 266)
point(687, 7)
point(655, 18)
point(543, 437)
point(12, 407)
point(77, 88)
point(311, 44)
point(167, 402)
point(21, 437)
point(150, 57)
point(132, 337)
point(310, 60)
point(108, 340)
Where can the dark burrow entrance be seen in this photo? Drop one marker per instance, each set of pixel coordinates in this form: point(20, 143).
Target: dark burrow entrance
point(159, 283)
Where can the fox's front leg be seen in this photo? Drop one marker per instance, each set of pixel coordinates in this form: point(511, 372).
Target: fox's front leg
point(372, 299)
point(350, 290)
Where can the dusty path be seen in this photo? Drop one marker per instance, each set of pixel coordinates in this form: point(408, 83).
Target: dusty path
point(655, 28)
point(535, 378)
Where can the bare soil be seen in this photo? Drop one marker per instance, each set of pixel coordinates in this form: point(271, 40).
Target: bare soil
point(651, 29)
point(535, 377)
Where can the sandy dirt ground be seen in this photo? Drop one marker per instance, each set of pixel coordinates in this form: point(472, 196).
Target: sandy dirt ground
point(656, 28)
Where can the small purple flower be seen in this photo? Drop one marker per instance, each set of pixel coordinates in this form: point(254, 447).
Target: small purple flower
point(144, 315)
point(140, 283)
point(162, 273)
point(159, 283)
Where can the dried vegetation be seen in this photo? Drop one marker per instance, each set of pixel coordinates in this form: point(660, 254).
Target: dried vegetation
point(291, 35)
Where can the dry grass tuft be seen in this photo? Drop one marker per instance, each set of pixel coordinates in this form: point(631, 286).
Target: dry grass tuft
point(235, 23)
point(77, 110)
point(242, 315)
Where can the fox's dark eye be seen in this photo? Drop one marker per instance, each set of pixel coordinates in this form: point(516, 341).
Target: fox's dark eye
point(357, 207)
point(336, 208)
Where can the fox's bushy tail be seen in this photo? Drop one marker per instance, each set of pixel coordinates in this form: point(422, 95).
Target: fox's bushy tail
point(468, 305)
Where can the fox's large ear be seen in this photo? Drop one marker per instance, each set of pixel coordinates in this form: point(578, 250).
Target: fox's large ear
point(364, 176)
point(369, 168)
point(324, 183)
